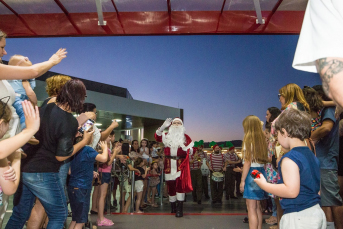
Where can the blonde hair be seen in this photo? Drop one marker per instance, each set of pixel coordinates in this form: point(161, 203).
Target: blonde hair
point(254, 143)
point(293, 93)
point(55, 83)
point(2, 35)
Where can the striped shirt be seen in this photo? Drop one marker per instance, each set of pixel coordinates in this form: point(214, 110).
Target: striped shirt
point(216, 161)
point(231, 157)
point(196, 164)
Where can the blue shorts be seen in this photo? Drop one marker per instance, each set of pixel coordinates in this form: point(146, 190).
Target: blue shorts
point(251, 190)
point(79, 203)
point(105, 178)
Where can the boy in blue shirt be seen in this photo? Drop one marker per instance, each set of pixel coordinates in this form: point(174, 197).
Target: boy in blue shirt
point(80, 183)
point(299, 174)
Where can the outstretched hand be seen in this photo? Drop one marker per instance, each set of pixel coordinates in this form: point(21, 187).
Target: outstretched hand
point(32, 119)
point(166, 123)
point(58, 56)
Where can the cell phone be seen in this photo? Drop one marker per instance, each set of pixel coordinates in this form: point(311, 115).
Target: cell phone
point(86, 126)
point(82, 118)
point(255, 174)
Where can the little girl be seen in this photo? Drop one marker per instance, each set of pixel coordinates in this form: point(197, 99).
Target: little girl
point(154, 180)
point(255, 155)
point(145, 152)
point(139, 164)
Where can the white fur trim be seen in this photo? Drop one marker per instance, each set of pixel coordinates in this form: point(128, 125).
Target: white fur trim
point(177, 119)
point(159, 132)
point(173, 170)
point(180, 196)
point(172, 199)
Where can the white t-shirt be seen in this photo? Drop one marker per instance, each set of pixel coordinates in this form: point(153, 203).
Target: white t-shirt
point(96, 137)
point(321, 34)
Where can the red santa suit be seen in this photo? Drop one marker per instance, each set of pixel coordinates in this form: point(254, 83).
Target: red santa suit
point(176, 167)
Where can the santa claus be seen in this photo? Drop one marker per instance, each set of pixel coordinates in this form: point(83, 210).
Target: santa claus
point(177, 147)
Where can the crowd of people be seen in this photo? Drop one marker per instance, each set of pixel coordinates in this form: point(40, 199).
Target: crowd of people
point(296, 161)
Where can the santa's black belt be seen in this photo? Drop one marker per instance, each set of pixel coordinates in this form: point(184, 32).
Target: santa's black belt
point(175, 158)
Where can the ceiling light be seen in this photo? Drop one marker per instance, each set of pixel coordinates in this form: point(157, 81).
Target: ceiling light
point(98, 124)
point(117, 120)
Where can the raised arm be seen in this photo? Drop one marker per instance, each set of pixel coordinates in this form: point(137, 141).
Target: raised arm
point(32, 120)
point(34, 71)
point(103, 156)
point(106, 133)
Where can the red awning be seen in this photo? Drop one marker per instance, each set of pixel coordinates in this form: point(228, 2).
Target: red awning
point(41, 18)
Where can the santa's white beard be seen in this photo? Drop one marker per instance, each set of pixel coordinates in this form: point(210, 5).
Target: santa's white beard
point(175, 137)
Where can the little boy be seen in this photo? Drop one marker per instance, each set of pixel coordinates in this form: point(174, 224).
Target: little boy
point(80, 183)
point(299, 174)
point(22, 88)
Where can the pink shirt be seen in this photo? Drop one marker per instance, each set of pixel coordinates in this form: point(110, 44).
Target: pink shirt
point(104, 167)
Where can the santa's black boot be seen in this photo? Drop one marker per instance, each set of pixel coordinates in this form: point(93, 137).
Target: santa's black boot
point(179, 209)
point(173, 207)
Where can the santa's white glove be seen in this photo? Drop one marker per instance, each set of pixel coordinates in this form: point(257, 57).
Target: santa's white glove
point(166, 124)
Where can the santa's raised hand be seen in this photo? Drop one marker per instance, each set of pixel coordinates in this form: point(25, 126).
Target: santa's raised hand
point(166, 124)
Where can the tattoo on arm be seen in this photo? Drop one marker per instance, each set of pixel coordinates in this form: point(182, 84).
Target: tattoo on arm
point(334, 67)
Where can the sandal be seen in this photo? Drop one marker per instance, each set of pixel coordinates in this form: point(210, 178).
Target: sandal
point(272, 221)
point(139, 212)
point(105, 222)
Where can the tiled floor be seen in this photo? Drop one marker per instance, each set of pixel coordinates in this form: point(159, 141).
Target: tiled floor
point(208, 216)
point(229, 214)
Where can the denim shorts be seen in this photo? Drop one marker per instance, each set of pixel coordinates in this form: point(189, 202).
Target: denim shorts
point(105, 178)
point(79, 203)
point(251, 190)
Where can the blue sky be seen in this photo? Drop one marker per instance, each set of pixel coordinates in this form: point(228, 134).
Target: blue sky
point(217, 79)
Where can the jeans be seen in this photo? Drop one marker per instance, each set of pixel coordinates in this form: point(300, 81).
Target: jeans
point(19, 109)
point(47, 188)
point(274, 207)
point(63, 173)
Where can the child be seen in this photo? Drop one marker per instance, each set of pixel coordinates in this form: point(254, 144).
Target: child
point(145, 152)
point(80, 183)
point(299, 174)
point(255, 156)
point(139, 164)
point(10, 176)
point(22, 88)
point(154, 180)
